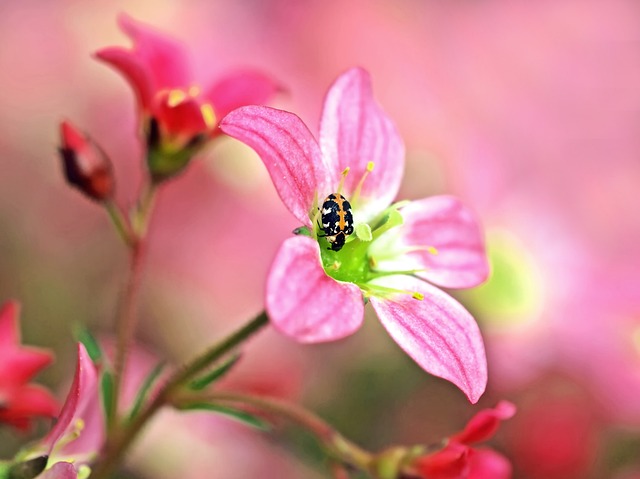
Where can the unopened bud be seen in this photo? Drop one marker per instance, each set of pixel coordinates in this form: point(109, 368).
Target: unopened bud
point(86, 165)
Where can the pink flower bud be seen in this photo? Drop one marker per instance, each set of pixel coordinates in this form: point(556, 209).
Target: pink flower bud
point(86, 165)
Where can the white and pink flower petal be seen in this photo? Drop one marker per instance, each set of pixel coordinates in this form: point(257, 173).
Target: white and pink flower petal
point(288, 150)
point(445, 242)
point(437, 332)
point(354, 132)
point(306, 304)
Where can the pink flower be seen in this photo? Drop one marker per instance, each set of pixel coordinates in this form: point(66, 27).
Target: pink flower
point(459, 460)
point(21, 402)
point(175, 111)
point(79, 433)
point(315, 291)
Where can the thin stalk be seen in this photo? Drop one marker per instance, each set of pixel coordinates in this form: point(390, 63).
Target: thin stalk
point(340, 448)
point(120, 440)
point(119, 222)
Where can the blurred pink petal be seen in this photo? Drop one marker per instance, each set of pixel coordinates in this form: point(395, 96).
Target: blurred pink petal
point(60, 470)
point(437, 332)
point(446, 224)
point(488, 464)
point(355, 131)
point(452, 462)
point(288, 150)
point(81, 415)
point(239, 88)
point(305, 303)
point(484, 424)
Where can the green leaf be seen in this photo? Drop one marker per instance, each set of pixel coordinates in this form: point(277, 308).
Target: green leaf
point(94, 350)
point(202, 382)
point(242, 416)
point(145, 388)
point(107, 389)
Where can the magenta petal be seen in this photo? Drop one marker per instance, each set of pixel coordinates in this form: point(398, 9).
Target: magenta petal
point(9, 334)
point(60, 470)
point(83, 403)
point(305, 303)
point(288, 150)
point(241, 88)
point(485, 423)
point(164, 57)
point(488, 464)
point(354, 131)
point(437, 332)
point(133, 70)
point(445, 223)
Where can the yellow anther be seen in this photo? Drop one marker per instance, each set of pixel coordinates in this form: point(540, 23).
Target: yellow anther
point(193, 91)
point(370, 166)
point(344, 174)
point(418, 296)
point(175, 98)
point(432, 249)
point(208, 115)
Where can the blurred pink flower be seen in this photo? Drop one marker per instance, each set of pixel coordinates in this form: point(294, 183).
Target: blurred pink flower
point(21, 402)
point(316, 295)
point(459, 460)
point(79, 433)
point(159, 73)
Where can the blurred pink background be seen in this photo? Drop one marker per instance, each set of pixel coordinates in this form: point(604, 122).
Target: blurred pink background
point(529, 111)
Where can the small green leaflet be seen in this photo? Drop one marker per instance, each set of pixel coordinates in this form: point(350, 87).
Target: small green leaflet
point(92, 346)
point(236, 414)
point(143, 393)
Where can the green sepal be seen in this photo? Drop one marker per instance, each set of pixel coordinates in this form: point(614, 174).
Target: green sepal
point(165, 163)
point(23, 470)
point(202, 382)
point(90, 343)
point(242, 416)
point(108, 398)
point(145, 388)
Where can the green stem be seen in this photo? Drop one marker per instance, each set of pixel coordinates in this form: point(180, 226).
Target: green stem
point(126, 320)
point(120, 440)
point(119, 221)
point(339, 448)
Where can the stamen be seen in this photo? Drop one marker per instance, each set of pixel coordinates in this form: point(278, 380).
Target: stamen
point(193, 91)
point(344, 175)
point(371, 290)
point(208, 115)
point(356, 193)
point(175, 98)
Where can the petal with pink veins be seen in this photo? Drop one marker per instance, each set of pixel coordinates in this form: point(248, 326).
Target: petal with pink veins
point(437, 332)
point(241, 88)
point(306, 304)
point(288, 150)
point(355, 131)
point(446, 224)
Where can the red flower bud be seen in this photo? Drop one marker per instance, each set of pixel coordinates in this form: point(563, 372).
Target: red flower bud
point(86, 165)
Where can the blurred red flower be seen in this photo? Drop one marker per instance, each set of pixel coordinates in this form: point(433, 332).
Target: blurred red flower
point(21, 402)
